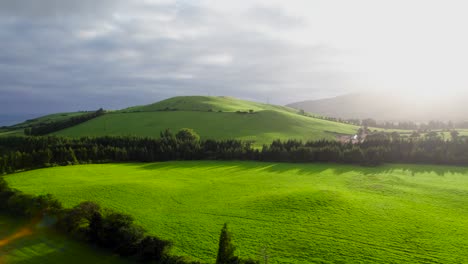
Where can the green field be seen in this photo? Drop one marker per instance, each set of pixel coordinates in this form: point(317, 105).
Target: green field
point(261, 127)
point(9, 133)
point(208, 103)
point(18, 129)
point(26, 243)
point(301, 213)
point(46, 119)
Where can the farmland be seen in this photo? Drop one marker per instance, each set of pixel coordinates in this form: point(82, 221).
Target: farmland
point(300, 213)
point(261, 127)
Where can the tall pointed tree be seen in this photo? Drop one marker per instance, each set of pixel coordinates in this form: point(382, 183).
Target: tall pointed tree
point(226, 248)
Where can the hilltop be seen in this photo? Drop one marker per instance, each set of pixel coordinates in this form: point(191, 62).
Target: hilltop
point(207, 103)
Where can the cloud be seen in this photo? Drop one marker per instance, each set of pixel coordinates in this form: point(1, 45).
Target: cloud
point(64, 55)
point(144, 51)
point(33, 9)
point(214, 59)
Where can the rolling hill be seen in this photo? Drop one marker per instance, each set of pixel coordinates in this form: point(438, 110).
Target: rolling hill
point(301, 213)
point(46, 119)
point(212, 118)
point(207, 103)
point(387, 107)
point(18, 129)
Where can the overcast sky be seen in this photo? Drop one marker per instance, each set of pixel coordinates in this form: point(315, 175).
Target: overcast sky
point(59, 55)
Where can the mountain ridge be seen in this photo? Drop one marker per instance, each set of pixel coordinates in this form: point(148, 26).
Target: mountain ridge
point(386, 107)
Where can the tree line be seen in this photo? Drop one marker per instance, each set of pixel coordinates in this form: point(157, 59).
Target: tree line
point(17, 153)
point(46, 128)
point(403, 125)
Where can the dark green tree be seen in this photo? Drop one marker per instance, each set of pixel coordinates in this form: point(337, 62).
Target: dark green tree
point(454, 134)
point(153, 248)
point(187, 134)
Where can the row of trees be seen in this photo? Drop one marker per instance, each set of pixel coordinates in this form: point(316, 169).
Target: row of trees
point(46, 128)
point(408, 125)
point(18, 153)
point(404, 125)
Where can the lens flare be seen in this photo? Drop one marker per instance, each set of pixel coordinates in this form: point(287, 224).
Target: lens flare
point(25, 231)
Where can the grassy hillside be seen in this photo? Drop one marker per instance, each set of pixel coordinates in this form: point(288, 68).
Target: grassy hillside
point(211, 117)
point(206, 103)
point(46, 119)
point(18, 129)
point(26, 243)
point(262, 127)
point(7, 133)
point(299, 212)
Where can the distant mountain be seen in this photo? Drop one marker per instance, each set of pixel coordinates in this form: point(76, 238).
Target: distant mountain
point(387, 107)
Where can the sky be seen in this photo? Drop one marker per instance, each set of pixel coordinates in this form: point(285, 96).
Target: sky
point(63, 55)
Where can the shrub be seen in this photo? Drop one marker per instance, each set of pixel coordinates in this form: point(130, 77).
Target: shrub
point(153, 248)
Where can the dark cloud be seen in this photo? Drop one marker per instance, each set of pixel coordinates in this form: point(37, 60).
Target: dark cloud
point(34, 9)
point(140, 53)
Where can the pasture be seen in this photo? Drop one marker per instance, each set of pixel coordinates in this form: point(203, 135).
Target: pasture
point(299, 213)
point(261, 127)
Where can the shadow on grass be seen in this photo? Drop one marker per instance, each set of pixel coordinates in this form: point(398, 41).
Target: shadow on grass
point(302, 168)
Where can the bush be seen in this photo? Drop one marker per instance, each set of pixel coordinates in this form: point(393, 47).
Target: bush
point(153, 248)
point(21, 204)
point(78, 219)
point(187, 135)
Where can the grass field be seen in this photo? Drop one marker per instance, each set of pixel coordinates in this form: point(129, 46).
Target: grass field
point(302, 213)
point(26, 243)
point(9, 133)
point(261, 127)
point(207, 103)
point(18, 129)
point(46, 119)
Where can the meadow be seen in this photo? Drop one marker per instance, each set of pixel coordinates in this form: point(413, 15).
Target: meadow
point(24, 242)
point(298, 213)
point(208, 103)
point(261, 127)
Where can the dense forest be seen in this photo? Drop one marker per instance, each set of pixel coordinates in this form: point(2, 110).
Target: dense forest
point(17, 153)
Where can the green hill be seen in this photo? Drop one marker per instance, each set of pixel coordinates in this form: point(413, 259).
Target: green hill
point(301, 213)
point(18, 129)
point(265, 124)
point(261, 127)
point(207, 103)
point(46, 119)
